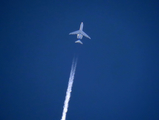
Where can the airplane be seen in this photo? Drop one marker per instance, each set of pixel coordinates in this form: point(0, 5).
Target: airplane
point(80, 33)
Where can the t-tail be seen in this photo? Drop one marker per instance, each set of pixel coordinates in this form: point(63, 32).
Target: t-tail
point(78, 41)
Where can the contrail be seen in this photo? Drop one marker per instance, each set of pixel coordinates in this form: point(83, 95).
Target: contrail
point(69, 88)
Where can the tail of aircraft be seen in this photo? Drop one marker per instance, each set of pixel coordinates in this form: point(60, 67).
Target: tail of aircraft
point(78, 41)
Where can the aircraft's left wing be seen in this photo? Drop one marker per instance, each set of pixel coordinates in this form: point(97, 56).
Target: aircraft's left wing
point(84, 34)
point(75, 32)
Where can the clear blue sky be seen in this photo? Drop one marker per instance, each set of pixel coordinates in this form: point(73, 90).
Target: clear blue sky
point(117, 74)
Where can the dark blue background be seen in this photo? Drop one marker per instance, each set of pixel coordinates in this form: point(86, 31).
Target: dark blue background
point(117, 76)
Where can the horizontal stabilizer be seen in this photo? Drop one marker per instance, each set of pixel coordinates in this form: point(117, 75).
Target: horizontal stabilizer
point(78, 41)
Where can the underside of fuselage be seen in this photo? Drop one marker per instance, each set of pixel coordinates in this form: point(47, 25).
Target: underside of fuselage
point(79, 36)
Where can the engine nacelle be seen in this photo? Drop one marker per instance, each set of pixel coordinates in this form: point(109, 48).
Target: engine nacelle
point(79, 36)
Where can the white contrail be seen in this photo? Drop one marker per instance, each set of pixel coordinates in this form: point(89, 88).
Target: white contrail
point(69, 89)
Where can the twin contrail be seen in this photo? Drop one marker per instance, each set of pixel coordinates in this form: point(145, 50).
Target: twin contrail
point(69, 88)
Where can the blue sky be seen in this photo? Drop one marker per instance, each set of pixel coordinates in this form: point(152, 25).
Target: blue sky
point(117, 74)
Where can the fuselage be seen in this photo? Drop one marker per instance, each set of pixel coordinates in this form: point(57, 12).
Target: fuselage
point(79, 36)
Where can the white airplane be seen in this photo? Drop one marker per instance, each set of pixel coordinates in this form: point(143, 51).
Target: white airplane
point(80, 33)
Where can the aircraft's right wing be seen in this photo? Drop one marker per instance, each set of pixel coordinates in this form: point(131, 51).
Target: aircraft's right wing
point(75, 32)
point(84, 34)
